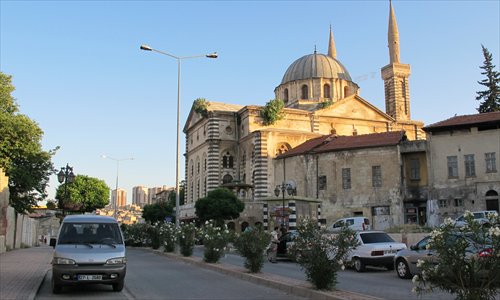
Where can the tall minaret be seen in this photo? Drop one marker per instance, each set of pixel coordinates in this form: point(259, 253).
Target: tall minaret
point(396, 76)
point(332, 52)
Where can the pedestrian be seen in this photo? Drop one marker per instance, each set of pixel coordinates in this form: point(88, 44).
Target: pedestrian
point(273, 248)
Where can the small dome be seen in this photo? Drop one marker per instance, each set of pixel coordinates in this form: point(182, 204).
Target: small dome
point(315, 66)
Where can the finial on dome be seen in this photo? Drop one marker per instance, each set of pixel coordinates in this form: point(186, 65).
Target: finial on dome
point(315, 49)
point(332, 52)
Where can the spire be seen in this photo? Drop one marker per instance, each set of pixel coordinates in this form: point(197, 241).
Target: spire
point(332, 52)
point(393, 36)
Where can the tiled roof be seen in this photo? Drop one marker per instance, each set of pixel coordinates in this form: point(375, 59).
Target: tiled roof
point(329, 143)
point(466, 120)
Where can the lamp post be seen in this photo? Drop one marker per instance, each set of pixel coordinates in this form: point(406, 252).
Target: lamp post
point(118, 160)
point(291, 192)
point(177, 160)
point(66, 175)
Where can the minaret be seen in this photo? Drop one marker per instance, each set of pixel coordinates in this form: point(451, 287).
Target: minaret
point(396, 75)
point(332, 52)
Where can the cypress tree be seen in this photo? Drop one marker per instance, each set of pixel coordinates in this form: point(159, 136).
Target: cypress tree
point(490, 98)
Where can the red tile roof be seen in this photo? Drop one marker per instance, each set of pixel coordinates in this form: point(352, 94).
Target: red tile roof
point(466, 121)
point(329, 143)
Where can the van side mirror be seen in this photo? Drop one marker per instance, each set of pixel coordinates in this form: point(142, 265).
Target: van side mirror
point(52, 242)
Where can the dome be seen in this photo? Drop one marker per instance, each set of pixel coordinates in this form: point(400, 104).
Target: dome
point(315, 66)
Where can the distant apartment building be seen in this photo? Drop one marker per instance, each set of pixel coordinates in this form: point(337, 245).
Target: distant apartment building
point(121, 200)
point(152, 193)
point(140, 195)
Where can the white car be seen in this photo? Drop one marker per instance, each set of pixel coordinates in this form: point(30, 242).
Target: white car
point(376, 248)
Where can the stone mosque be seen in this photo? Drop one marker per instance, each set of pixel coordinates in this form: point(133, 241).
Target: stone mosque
point(230, 145)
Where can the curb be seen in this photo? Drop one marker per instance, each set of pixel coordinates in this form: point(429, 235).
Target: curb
point(289, 285)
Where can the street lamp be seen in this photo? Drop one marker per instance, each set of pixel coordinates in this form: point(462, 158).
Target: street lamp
point(118, 160)
point(177, 161)
point(66, 175)
point(291, 192)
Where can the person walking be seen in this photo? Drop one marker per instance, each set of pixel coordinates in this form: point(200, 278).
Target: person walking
point(273, 248)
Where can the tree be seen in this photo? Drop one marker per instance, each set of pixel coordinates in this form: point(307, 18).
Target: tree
point(22, 158)
point(157, 212)
point(85, 194)
point(219, 205)
point(171, 196)
point(272, 112)
point(491, 97)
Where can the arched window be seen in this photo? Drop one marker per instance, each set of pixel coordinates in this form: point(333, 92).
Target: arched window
point(227, 179)
point(244, 226)
point(285, 95)
point(492, 200)
point(282, 148)
point(346, 91)
point(227, 161)
point(305, 92)
point(326, 91)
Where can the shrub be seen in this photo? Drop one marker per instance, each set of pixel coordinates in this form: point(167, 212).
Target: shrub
point(251, 244)
point(154, 235)
point(272, 111)
point(467, 262)
point(187, 236)
point(215, 240)
point(168, 235)
point(135, 235)
point(321, 255)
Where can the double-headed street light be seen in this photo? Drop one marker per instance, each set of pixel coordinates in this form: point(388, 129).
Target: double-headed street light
point(66, 175)
point(177, 163)
point(118, 160)
point(291, 192)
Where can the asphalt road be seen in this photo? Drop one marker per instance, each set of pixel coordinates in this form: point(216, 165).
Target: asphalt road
point(151, 276)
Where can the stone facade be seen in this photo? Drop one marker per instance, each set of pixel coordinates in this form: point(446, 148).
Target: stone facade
point(463, 164)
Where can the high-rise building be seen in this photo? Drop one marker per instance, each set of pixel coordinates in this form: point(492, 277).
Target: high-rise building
point(122, 198)
point(152, 193)
point(140, 195)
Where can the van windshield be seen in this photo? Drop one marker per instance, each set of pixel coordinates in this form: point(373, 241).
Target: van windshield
point(90, 233)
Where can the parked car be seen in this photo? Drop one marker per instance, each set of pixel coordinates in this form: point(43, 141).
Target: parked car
point(354, 223)
point(479, 216)
point(89, 249)
point(405, 261)
point(376, 248)
point(285, 242)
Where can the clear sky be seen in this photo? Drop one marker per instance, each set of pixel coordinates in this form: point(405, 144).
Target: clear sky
point(79, 73)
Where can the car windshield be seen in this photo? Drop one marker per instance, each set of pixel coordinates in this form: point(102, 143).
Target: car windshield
point(90, 233)
point(375, 237)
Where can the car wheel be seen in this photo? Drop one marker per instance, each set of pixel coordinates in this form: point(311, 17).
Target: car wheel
point(359, 266)
point(117, 287)
point(402, 269)
point(56, 288)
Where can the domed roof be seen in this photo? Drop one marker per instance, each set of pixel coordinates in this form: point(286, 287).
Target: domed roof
point(315, 66)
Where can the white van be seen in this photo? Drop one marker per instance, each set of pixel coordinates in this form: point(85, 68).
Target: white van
point(89, 249)
point(354, 223)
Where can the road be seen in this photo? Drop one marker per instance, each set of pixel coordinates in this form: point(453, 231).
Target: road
point(151, 276)
point(376, 282)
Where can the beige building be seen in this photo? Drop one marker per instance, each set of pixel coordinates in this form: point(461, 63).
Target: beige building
point(463, 163)
point(121, 199)
point(140, 195)
point(230, 145)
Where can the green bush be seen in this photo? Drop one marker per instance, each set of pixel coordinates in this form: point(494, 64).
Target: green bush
point(272, 111)
point(134, 235)
point(187, 237)
point(458, 268)
point(154, 235)
point(215, 240)
point(168, 235)
point(321, 256)
point(251, 244)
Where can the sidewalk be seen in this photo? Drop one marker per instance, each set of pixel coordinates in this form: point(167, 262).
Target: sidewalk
point(22, 272)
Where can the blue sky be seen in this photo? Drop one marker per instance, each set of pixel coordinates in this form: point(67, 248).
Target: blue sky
point(79, 73)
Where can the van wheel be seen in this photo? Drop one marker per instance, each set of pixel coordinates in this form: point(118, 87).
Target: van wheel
point(118, 287)
point(56, 288)
point(359, 266)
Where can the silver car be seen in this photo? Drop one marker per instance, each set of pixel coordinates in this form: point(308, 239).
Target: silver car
point(89, 250)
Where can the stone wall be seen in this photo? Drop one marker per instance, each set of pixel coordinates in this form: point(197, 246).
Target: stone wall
point(16, 230)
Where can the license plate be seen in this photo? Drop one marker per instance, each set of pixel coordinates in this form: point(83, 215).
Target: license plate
point(89, 277)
